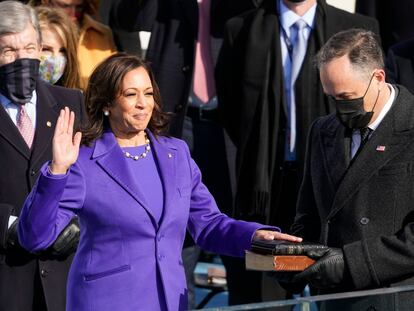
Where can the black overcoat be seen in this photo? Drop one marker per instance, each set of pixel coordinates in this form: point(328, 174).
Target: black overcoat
point(365, 208)
point(19, 171)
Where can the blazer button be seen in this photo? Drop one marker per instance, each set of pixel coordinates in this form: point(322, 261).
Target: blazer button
point(364, 220)
point(32, 172)
point(44, 273)
point(185, 68)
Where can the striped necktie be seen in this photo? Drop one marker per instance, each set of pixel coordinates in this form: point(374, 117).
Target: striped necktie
point(25, 125)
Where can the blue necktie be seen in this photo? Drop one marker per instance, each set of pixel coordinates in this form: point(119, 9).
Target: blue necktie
point(298, 55)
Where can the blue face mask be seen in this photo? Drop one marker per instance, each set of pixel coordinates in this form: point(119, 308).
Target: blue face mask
point(351, 112)
point(52, 68)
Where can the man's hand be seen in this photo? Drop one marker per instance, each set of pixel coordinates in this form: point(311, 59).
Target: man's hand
point(274, 235)
point(328, 272)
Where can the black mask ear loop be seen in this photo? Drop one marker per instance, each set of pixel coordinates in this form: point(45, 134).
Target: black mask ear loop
point(376, 100)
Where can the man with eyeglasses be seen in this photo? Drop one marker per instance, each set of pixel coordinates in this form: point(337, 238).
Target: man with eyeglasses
point(28, 112)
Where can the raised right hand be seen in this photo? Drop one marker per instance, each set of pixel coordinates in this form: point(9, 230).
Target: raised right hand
point(65, 145)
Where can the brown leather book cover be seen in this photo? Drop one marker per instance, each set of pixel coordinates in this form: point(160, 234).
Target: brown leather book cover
point(261, 262)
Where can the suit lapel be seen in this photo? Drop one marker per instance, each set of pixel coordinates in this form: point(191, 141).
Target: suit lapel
point(47, 112)
point(113, 162)
point(334, 149)
point(261, 48)
point(9, 131)
point(166, 157)
point(370, 160)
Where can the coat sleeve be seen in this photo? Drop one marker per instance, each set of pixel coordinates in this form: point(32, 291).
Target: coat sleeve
point(307, 222)
point(213, 230)
point(49, 207)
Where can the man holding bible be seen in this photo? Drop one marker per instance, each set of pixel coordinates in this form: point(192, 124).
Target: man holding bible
point(358, 187)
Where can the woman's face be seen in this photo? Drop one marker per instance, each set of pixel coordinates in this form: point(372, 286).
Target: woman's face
point(53, 58)
point(132, 110)
point(52, 43)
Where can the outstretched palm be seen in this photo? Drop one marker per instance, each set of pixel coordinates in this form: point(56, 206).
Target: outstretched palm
point(65, 145)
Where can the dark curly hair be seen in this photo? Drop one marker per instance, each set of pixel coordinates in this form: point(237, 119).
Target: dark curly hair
point(105, 86)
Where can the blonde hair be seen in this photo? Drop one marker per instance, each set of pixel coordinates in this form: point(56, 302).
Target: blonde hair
point(57, 20)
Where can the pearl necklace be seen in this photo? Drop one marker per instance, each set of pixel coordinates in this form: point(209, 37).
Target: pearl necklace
point(142, 155)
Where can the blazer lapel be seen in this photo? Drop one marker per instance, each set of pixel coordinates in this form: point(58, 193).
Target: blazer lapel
point(334, 148)
point(113, 162)
point(166, 157)
point(47, 112)
point(261, 49)
point(370, 160)
point(10, 133)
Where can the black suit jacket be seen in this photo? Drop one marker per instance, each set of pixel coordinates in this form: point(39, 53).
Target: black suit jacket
point(20, 169)
point(250, 88)
point(171, 51)
point(365, 208)
point(400, 64)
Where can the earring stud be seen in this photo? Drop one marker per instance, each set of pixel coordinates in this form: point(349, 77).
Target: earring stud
point(106, 113)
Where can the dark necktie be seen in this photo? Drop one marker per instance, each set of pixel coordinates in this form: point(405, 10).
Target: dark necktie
point(364, 132)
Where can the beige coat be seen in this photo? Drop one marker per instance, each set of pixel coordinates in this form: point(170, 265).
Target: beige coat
point(95, 44)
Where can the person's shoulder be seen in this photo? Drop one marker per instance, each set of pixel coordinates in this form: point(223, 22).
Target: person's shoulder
point(404, 48)
point(57, 90)
point(92, 24)
point(261, 9)
point(328, 122)
point(172, 142)
point(354, 20)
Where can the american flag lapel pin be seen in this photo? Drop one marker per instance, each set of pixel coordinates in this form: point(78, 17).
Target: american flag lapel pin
point(380, 148)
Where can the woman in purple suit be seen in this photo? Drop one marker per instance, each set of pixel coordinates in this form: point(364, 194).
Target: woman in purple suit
point(135, 193)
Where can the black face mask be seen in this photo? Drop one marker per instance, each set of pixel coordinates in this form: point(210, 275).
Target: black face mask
point(18, 79)
point(351, 112)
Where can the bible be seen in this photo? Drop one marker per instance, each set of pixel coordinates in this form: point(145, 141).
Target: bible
point(260, 262)
point(279, 255)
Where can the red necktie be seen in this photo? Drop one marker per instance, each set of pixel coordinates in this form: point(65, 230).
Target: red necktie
point(25, 126)
point(203, 80)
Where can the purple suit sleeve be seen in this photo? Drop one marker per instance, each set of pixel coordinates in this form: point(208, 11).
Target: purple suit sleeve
point(49, 207)
point(213, 230)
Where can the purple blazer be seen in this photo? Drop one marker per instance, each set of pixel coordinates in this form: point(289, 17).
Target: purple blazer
point(125, 259)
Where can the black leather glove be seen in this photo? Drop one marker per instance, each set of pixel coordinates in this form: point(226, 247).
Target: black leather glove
point(67, 241)
point(12, 240)
point(327, 272)
point(287, 279)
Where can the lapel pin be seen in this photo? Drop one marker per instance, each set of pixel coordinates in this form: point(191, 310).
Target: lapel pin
point(49, 124)
point(380, 148)
point(170, 155)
